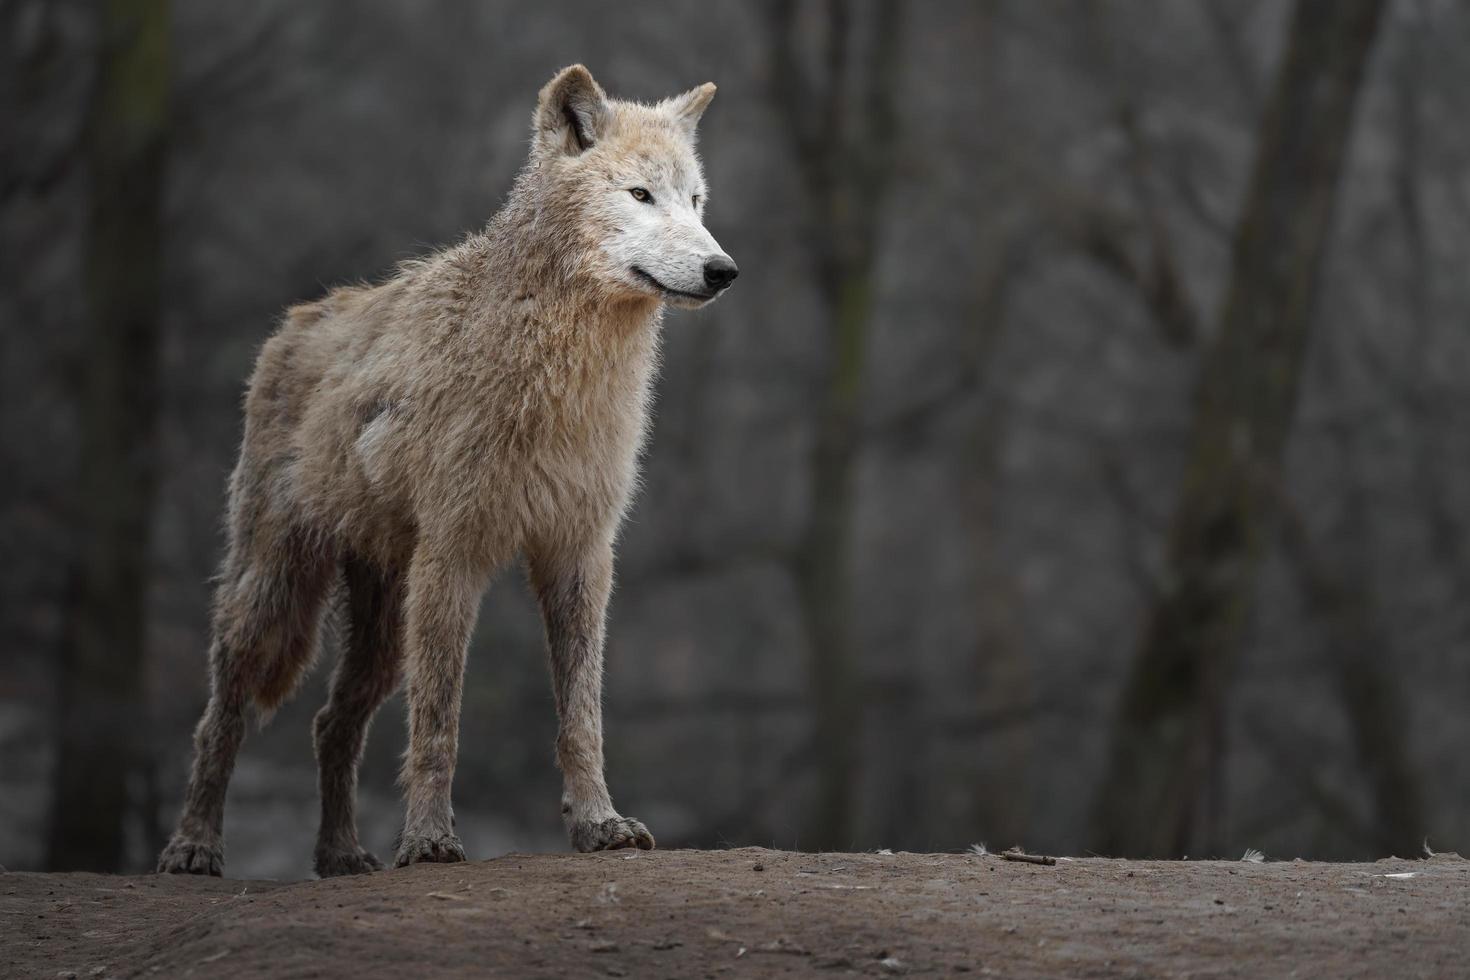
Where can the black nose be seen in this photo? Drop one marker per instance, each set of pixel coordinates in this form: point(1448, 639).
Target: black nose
point(719, 272)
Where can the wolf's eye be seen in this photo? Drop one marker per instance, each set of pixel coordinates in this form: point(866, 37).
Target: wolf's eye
point(694, 200)
point(639, 194)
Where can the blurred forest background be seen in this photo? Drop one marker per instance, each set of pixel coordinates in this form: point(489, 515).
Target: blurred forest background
point(1080, 462)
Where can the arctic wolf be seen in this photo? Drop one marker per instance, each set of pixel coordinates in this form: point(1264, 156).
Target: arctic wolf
point(405, 439)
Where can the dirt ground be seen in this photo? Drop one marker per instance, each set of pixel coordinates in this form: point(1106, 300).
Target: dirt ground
point(754, 912)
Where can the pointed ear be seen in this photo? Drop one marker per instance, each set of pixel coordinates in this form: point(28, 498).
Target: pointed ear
point(687, 108)
point(572, 111)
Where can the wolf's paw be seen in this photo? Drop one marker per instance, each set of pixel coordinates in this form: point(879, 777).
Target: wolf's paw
point(190, 857)
point(425, 848)
point(330, 862)
point(611, 835)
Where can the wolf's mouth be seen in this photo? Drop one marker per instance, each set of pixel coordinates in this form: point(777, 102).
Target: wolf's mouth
point(670, 291)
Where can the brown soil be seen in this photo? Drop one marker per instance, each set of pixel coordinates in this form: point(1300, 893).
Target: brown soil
point(755, 912)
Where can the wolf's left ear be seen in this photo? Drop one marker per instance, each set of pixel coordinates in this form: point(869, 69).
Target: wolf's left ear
point(687, 108)
point(572, 111)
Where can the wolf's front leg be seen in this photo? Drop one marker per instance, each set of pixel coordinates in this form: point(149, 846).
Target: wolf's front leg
point(573, 586)
point(443, 597)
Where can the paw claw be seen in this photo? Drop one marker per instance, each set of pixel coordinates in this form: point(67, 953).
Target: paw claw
point(355, 861)
point(189, 857)
point(428, 849)
point(612, 834)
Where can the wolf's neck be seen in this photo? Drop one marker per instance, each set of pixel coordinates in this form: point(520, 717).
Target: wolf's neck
point(546, 280)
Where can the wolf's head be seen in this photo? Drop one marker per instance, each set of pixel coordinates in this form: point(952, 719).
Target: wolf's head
point(620, 182)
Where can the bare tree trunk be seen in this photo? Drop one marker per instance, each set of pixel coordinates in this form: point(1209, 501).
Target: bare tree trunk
point(1004, 671)
point(1414, 386)
point(1371, 696)
point(101, 715)
point(1171, 716)
point(844, 141)
point(1335, 584)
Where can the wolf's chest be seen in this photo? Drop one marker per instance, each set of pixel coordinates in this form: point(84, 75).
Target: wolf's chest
point(586, 461)
point(551, 466)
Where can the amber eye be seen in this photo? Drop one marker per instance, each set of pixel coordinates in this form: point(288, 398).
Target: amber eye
point(639, 194)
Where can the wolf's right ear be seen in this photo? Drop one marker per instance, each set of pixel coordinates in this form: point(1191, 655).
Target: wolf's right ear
point(572, 111)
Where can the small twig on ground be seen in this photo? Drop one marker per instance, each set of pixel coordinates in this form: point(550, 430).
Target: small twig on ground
point(1016, 854)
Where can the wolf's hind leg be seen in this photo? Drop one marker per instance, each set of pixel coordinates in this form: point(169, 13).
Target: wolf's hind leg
point(267, 622)
point(197, 846)
point(366, 675)
point(573, 591)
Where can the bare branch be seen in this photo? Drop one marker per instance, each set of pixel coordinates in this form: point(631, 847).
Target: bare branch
point(1157, 279)
point(1227, 20)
